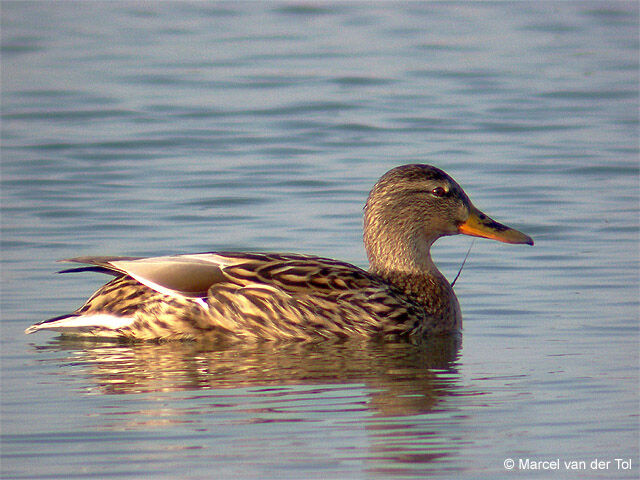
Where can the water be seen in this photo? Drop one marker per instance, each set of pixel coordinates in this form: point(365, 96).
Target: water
point(155, 128)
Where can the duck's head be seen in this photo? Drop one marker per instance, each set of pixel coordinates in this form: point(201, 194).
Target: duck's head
point(411, 207)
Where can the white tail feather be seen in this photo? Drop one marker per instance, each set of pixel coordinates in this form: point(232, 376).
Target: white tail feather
point(82, 324)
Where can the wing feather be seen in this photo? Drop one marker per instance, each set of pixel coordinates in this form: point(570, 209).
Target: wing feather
point(186, 275)
point(193, 275)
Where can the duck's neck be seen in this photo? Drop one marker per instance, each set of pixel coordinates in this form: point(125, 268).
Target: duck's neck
point(404, 250)
point(424, 284)
point(404, 262)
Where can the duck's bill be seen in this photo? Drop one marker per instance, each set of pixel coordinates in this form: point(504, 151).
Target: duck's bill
point(480, 225)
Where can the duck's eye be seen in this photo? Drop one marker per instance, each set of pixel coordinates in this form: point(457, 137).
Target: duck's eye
point(438, 192)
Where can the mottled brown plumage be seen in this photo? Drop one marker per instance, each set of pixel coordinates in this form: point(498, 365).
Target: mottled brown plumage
point(287, 296)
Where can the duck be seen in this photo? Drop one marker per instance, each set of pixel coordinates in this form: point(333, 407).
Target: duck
point(280, 296)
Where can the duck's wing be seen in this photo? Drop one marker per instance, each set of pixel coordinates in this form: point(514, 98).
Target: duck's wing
point(184, 275)
point(292, 274)
point(193, 275)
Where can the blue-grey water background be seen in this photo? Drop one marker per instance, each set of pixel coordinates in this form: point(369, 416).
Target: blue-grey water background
point(155, 128)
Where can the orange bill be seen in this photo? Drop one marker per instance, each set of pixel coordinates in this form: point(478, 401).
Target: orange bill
point(480, 225)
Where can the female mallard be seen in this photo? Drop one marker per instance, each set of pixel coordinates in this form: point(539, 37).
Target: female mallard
point(280, 296)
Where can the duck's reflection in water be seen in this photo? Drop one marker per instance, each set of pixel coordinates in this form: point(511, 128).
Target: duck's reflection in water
point(388, 401)
point(402, 378)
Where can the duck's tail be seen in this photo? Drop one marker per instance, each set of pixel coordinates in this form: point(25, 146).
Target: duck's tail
point(82, 324)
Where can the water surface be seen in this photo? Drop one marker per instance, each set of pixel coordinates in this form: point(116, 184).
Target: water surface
point(157, 128)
